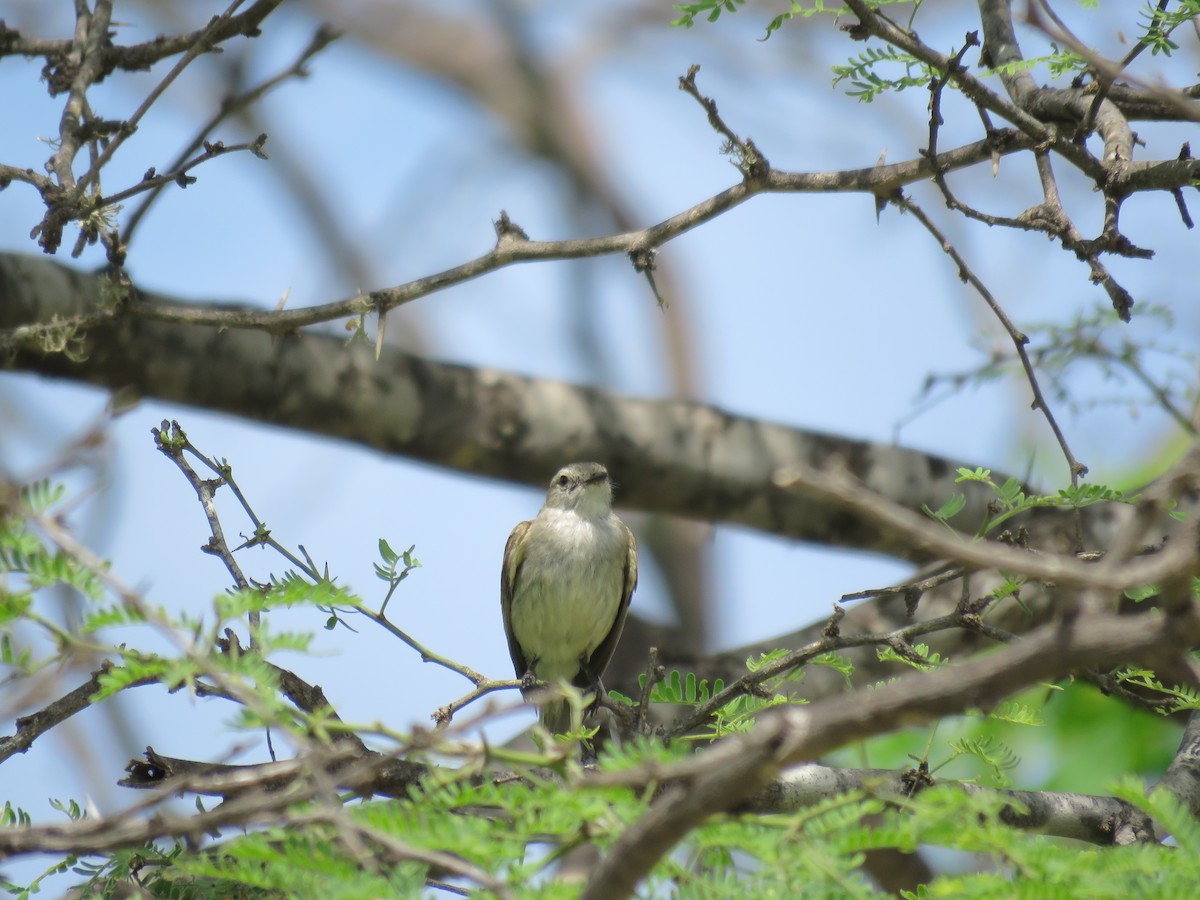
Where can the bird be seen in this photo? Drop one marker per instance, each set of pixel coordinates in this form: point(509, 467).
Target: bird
point(566, 582)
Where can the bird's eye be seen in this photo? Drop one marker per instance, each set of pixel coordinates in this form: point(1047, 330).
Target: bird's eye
point(563, 480)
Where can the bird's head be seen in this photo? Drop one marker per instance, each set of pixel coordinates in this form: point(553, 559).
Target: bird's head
point(583, 487)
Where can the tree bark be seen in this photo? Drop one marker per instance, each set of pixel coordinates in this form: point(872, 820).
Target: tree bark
point(669, 456)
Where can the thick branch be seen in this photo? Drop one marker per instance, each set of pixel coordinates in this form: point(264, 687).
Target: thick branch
point(1055, 104)
point(1182, 777)
point(1084, 817)
point(670, 456)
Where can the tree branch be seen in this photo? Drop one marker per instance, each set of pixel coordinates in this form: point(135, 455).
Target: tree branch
point(673, 456)
point(732, 769)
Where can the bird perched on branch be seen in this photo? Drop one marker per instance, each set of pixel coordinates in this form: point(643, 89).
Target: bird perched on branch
point(565, 586)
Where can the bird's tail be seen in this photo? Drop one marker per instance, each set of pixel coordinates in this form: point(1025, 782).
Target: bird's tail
point(555, 716)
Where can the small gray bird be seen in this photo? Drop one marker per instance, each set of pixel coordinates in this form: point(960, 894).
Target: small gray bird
point(566, 583)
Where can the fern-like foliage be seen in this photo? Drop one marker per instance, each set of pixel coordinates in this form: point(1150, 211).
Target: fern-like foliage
point(1012, 500)
point(993, 754)
point(1176, 698)
point(865, 73)
point(513, 833)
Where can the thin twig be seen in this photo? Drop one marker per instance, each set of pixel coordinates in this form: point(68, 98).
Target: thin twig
point(1019, 339)
point(323, 37)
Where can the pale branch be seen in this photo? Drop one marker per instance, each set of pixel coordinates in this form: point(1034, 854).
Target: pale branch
point(871, 23)
point(91, 33)
point(424, 652)
point(512, 249)
point(1182, 778)
point(171, 443)
point(913, 589)
point(653, 674)
point(1055, 104)
point(677, 810)
point(1105, 71)
point(350, 766)
point(443, 715)
point(1161, 106)
point(1083, 817)
point(1111, 574)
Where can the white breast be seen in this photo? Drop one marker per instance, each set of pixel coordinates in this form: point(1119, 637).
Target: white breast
point(566, 597)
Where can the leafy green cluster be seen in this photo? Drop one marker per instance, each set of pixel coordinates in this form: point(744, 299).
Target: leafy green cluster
point(1011, 499)
point(866, 73)
point(1176, 698)
point(512, 832)
point(712, 9)
point(866, 81)
point(29, 566)
point(38, 556)
point(515, 832)
point(1160, 22)
point(1060, 62)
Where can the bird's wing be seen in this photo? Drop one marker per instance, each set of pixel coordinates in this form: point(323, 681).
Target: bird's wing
point(514, 556)
point(600, 658)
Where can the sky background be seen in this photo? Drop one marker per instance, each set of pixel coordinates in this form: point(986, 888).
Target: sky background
point(802, 309)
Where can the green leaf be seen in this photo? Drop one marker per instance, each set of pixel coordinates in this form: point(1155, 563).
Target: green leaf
point(923, 661)
point(1145, 592)
point(949, 509)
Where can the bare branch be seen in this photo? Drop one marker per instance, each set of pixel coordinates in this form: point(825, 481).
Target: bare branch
point(1018, 338)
